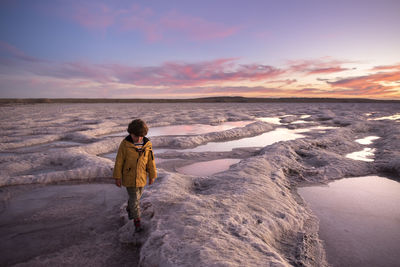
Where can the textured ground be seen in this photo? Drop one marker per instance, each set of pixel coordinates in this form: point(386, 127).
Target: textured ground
point(248, 215)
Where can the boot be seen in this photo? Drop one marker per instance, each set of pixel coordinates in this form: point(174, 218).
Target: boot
point(138, 227)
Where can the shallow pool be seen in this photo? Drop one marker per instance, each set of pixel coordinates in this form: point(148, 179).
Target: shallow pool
point(265, 139)
point(359, 220)
point(207, 168)
point(367, 154)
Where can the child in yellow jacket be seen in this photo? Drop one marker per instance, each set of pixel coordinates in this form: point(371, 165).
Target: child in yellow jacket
point(134, 162)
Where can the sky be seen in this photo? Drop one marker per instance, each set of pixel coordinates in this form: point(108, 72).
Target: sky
point(191, 49)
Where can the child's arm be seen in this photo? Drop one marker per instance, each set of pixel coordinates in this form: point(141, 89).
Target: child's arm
point(151, 167)
point(119, 163)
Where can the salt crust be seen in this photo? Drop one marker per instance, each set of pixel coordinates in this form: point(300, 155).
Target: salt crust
point(249, 215)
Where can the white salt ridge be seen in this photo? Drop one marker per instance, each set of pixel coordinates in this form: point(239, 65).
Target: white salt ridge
point(190, 129)
point(41, 147)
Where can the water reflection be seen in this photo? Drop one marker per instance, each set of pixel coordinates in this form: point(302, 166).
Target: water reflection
point(359, 220)
point(393, 117)
point(367, 154)
point(207, 168)
point(367, 140)
point(279, 134)
point(272, 120)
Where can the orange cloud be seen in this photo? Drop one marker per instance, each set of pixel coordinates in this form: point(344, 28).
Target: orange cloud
point(373, 84)
point(390, 67)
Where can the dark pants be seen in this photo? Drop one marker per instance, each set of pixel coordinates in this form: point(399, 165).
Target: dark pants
point(135, 193)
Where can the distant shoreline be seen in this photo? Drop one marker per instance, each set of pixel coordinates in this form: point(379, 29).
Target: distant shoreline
point(193, 100)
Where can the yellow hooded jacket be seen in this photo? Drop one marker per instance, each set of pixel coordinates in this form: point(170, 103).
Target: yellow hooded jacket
point(133, 166)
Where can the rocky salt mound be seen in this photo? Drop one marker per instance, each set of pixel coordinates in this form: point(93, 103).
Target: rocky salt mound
point(249, 215)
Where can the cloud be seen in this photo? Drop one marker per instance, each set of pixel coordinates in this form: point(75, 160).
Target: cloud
point(326, 70)
point(325, 65)
point(223, 76)
point(390, 67)
point(193, 74)
point(376, 83)
point(178, 74)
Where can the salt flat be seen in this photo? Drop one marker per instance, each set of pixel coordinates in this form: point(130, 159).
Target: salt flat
point(247, 215)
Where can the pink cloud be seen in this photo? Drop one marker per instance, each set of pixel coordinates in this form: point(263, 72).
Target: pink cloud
point(317, 66)
point(193, 74)
point(178, 74)
point(390, 67)
point(370, 84)
point(208, 77)
point(326, 70)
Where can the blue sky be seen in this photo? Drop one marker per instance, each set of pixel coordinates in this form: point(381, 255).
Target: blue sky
point(180, 49)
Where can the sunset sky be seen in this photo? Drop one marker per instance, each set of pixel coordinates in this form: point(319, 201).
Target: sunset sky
point(190, 49)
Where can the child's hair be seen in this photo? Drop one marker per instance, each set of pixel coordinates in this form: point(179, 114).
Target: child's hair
point(138, 128)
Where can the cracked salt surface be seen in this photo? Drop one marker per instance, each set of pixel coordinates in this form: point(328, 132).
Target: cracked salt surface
point(359, 220)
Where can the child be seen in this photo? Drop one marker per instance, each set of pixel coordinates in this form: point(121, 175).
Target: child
point(135, 159)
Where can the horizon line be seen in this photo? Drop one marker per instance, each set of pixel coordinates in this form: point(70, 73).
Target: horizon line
point(217, 99)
